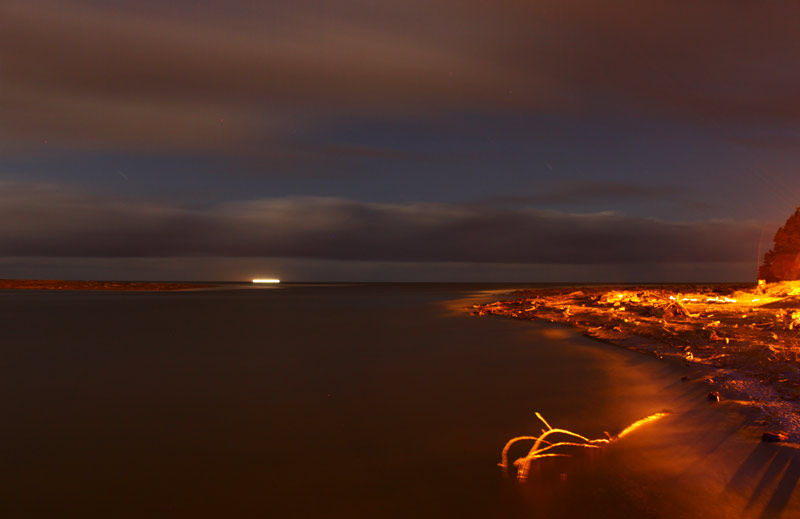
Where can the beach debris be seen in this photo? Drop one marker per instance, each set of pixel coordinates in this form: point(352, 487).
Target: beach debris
point(778, 436)
point(543, 448)
point(713, 396)
point(675, 309)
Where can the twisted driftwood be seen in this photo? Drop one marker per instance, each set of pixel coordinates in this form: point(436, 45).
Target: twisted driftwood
point(538, 451)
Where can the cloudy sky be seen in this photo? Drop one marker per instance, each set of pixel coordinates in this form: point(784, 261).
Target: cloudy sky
point(550, 140)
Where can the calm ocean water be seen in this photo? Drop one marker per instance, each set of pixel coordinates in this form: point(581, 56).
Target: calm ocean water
point(332, 401)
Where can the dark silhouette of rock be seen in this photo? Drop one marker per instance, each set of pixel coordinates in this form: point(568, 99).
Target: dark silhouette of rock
point(778, 436)
point(782, 263)
point(713, 396)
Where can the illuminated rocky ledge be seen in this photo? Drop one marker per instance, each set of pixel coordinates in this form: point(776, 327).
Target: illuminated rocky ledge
point(748, 335)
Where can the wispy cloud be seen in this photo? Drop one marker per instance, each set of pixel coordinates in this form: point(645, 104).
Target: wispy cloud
point(50, 221)
point(592, 191)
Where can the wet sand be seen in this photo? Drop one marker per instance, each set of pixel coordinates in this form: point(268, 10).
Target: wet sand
point(356, 401)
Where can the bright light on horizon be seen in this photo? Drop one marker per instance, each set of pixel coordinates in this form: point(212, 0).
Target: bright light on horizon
point(266, 281)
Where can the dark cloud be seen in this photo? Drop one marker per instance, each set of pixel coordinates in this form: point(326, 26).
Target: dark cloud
point(240, 76)
point(50, 221)
point(574, 105)
point(316, 270)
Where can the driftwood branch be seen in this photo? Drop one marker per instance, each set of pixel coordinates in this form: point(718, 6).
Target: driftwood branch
point(538, 451)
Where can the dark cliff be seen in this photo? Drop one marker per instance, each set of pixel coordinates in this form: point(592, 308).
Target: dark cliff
point(782, 263)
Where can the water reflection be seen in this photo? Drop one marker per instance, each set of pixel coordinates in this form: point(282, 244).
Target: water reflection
point(348, 401)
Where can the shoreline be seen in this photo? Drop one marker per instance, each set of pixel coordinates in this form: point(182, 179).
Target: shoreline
point(740, 339)
point(703, 459)
point(139, 286)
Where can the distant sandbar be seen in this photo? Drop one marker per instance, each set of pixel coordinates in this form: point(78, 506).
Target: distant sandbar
point(51, 284)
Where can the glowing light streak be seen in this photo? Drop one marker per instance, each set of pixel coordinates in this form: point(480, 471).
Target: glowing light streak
point(723, 300)
point(644, 421)
point(537, 451)
point(266, 281)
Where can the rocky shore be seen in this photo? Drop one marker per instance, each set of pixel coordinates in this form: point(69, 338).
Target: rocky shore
point(747, 336)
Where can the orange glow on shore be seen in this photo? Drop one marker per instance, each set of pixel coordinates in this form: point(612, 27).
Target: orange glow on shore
point(746, 331)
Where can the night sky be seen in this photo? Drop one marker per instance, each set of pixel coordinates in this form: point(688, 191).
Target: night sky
point(396, 140)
